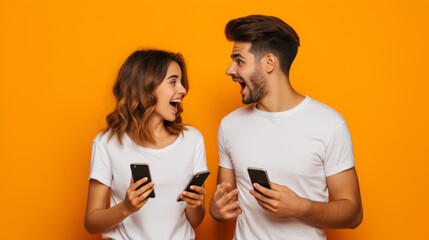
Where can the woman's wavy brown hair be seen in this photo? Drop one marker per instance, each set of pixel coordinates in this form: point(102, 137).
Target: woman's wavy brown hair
point(139, 76)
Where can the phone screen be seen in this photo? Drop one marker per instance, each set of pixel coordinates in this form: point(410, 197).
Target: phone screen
point(259, 176)
point(140, 171)
point(197, 179)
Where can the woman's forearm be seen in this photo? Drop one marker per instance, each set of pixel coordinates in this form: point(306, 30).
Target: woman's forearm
point(101, 220)
point(195, 215)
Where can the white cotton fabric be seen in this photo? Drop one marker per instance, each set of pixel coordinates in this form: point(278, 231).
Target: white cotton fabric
point(299, 148)
point(171, 168)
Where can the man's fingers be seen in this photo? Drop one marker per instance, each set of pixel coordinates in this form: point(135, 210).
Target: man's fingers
point(261, 198)
point(231, 195)
point(275, 186)
point(221, 189)
point(267, 192)
point(266, 206)
point(233, 206)
point(235, 213)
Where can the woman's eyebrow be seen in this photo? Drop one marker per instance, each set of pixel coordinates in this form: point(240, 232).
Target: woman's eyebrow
point(173, 76)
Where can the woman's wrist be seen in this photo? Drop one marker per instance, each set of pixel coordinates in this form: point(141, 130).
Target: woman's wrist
point(123, 209)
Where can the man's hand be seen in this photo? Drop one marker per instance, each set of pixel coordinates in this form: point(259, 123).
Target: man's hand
point(280, 201)
point(224, 204)
point(343, 211)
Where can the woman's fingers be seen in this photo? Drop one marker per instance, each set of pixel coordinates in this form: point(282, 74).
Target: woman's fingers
point(138, 183)
point(145, 188)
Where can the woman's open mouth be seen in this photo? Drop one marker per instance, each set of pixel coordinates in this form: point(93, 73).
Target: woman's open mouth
point(174, 104)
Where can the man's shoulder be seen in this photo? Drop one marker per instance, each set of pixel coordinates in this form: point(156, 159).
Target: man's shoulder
point(324, 112)
point(238, 114)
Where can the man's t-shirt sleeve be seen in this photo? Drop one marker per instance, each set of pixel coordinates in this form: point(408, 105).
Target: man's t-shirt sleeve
point(100, 164)
point(224, 157)
point(339, 151)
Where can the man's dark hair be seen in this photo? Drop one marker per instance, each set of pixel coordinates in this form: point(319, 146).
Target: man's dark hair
point(268, 35)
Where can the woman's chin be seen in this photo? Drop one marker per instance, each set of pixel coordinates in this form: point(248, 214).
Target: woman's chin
point(170, 119)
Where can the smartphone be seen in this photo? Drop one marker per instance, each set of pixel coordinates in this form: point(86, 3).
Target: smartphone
point(197, 180)
point(140, 171)
point(259, 176)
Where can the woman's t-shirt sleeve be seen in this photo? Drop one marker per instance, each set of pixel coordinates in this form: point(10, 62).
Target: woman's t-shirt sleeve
point(101, 169)
point(200, 162)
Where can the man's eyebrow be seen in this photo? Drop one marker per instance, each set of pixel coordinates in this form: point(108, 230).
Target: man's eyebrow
point(173, 76)
point(234, 55)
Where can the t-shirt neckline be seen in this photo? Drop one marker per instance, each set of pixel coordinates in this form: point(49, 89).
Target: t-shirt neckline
point(159, 150)
point(283, 113)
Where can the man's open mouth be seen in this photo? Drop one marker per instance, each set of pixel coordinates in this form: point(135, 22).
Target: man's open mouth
point(241, 82)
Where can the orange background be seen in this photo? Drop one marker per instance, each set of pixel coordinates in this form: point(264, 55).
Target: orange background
point(58, 60)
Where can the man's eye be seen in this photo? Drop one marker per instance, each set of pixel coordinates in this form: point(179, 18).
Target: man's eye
point(239, 62)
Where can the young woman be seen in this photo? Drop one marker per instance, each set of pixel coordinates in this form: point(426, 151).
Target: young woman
point(146, 128)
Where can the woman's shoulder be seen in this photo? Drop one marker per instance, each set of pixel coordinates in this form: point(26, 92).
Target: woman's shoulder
point(192, 132)
point(105, 138)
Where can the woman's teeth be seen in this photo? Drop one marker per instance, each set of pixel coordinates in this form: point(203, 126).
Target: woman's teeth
point(174, 103)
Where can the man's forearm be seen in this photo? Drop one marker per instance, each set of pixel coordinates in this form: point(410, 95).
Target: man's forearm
point(341, 213)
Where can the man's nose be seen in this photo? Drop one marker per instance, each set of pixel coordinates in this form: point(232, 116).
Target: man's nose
point(231, 70)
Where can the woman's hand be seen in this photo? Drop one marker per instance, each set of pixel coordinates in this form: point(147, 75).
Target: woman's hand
point(194, 200)
point(135, 199)
point(99, 219)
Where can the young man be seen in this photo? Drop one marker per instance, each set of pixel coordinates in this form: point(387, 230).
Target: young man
point(304, 145)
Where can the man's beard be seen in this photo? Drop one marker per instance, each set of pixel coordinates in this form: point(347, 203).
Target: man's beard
point(256, 88)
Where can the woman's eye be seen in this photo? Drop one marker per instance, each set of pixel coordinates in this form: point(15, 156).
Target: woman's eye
point(173, 82)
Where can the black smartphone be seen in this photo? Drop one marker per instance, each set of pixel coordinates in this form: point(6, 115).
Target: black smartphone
point(259, 176)
point(197, 179)
point(140, 171)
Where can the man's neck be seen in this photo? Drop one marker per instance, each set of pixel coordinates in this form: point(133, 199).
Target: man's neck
point(280, 97)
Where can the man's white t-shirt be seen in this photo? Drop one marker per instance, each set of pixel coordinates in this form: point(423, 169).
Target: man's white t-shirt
point(171, 168)
point(299, 148)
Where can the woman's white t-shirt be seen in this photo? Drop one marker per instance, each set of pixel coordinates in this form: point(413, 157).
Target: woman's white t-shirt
point(171, 168)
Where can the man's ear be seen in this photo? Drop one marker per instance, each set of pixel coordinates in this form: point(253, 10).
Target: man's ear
point(268, 62)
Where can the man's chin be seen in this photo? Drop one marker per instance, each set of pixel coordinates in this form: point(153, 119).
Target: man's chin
point(247, 101)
